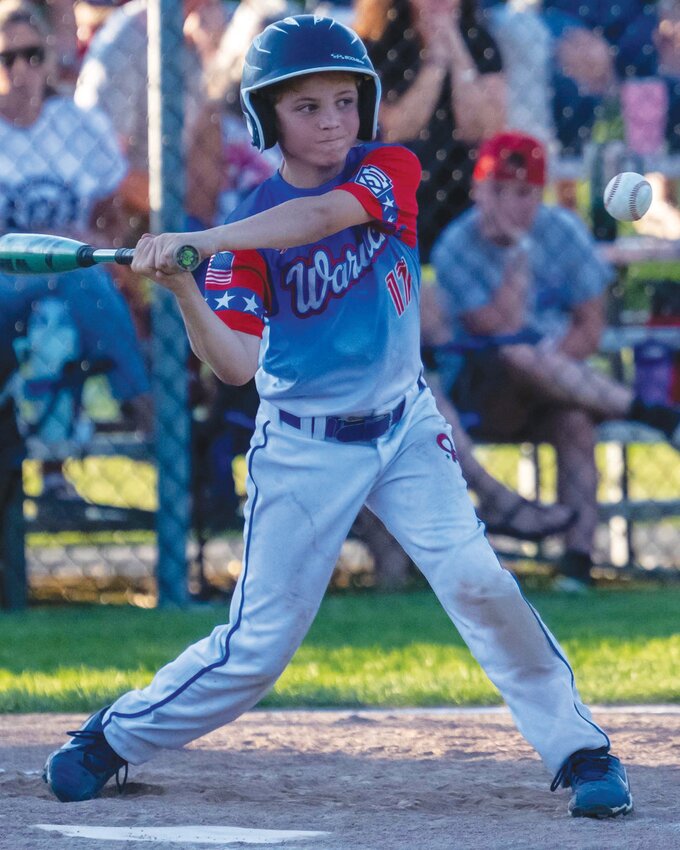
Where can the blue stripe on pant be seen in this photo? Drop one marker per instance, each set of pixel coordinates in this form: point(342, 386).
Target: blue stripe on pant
point(202, 671)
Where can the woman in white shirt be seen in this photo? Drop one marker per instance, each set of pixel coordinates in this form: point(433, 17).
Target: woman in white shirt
point(59, 169)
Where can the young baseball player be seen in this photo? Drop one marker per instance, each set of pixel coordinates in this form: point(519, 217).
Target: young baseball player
point(314, 289)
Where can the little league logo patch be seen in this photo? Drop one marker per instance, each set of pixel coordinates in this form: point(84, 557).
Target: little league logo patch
point(375, 180)
point(446, 445)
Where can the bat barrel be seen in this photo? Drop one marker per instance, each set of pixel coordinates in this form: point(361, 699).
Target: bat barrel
point(35, 253)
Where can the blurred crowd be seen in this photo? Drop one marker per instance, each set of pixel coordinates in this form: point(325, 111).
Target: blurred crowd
point(455, 74)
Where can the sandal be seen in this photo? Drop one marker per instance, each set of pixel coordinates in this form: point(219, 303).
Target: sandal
point(531, 521)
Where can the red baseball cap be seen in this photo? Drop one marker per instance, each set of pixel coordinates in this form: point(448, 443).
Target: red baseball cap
point(511, 156)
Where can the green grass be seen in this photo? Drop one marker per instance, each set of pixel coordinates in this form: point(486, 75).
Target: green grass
point(363, 650)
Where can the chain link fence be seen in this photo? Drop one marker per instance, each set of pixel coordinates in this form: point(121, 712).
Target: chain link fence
point(122, 454)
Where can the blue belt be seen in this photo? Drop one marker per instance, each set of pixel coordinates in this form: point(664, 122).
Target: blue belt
point(354, 429)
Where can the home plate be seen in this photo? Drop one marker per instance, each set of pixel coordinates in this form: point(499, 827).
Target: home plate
point(224, 835)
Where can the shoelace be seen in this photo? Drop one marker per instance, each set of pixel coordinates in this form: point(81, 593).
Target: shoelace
point(99, 738)
point(587, 765)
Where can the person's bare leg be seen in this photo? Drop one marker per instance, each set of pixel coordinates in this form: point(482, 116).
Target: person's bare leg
point(391, 565)
point(556, 377)
point(572, 432)
point(559, 378)
point(498, 506)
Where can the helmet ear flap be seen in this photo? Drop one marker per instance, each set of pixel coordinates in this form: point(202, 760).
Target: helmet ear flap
point(260, 118)
point(264, 108)
point(368, 108)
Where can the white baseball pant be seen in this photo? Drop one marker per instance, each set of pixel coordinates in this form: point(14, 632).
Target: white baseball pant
point(303, 495)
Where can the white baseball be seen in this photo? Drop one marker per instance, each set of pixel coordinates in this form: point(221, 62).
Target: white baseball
point(628, 196)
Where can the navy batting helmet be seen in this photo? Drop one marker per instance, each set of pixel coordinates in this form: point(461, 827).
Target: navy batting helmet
point(300, 45)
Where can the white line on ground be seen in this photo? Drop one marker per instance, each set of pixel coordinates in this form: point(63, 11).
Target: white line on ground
point(226, 836)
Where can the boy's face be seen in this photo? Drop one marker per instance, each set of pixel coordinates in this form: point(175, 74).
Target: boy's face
point(318, 119)
point(507, 208)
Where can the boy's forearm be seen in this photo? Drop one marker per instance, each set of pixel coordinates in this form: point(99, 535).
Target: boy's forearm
point(297, 222)
point(302, 221)
point(215, 344)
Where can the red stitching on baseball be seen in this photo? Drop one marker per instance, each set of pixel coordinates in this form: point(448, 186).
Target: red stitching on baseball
point(612, 192)
point(632, 204)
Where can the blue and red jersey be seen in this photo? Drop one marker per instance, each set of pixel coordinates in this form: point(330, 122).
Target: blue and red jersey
point(339, 319)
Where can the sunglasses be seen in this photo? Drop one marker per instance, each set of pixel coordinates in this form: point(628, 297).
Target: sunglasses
point(34, 56)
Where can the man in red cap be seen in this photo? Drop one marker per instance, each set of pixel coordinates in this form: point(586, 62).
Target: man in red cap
point(522, 286)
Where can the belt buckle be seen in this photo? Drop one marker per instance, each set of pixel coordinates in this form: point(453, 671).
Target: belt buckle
point(362, 428)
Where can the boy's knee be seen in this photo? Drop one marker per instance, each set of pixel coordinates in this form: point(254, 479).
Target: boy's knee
point(479, 579)
point(484, 592)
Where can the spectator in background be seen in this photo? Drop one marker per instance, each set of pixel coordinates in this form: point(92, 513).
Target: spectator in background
point(666, 37)
point(661, 70)
point(61, 21)
point(222, 164)
point(502, 510)
point(225, 68)
point(222, 168)
point(59, 170)
point(595, 44)
point(443, 93)
point(525, 44)
point(113, 77)
point(90, 17)
point(522, 287)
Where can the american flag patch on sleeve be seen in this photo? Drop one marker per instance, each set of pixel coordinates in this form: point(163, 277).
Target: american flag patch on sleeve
point(219, 272)
point(234, 290)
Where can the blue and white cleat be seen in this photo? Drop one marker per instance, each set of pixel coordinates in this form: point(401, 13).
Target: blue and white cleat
point(82, 767)
point(599, 784)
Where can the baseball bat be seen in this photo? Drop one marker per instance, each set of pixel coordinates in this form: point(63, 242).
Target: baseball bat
point(36, 253)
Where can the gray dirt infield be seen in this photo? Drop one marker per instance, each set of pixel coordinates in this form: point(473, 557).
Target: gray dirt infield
point(421, 780)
